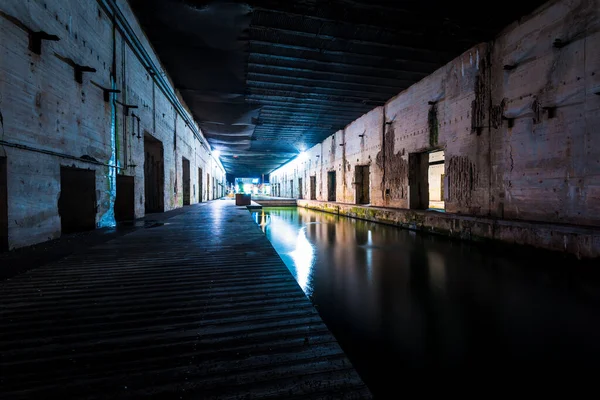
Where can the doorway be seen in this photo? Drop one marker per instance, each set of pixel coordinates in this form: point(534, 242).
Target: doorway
point(187, 200)
point(207, 187)
point(362, 184)
point(313, 187)
point(154, 175)
point(418, 181)
point(436, 173)
point(77, 201)
point(331, 186)
point(300, 189)
point(125, 201)
point(200, 188)
point(3, 205)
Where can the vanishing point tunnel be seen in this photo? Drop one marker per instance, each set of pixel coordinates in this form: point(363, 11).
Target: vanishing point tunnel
point(294, 199)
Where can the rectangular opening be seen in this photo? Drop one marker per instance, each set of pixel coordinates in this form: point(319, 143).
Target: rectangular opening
point(313, 187)
point(77, 200)
point(200, 188)
point(187, 193)
point(300, 189)
point(331, 186)
point(207, 187)
point(362, 184)
point(418, 181)
point(154, 175)
point(436, 180)
point(292, 188)
point(125, 201)
point(3, 205)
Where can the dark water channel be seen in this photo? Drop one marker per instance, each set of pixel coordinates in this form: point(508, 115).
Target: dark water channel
point(403, 303)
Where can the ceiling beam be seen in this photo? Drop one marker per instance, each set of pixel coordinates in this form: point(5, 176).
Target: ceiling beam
point(301, 98)
point(387, 58)
point(309, 106)
point(258, 84)
point(436, 55)
point(390, 82)
point(371, 68)
point(416, 20)
point(316, 80)
point(294, 100)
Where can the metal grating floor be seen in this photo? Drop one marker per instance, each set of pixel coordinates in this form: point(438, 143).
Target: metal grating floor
point(200, 307)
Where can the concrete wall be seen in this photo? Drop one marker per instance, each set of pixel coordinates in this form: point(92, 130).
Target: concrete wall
point(49, 120)
point(504, 156)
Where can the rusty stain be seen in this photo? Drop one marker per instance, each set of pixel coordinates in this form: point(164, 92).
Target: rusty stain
point(395, 168)
point(463, 178)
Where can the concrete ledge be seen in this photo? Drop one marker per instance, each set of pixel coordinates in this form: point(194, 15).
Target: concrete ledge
point(581, 241)
point(278, 203)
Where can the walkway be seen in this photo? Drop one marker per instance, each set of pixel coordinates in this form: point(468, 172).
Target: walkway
point(201, 307)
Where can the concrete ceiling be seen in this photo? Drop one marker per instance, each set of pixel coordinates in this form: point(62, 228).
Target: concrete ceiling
point(268, 78)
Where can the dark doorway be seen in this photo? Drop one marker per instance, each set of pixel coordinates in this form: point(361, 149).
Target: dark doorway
point(187, 195)
point(77, 201)
point(207, 187)
point(3, 205)
point(292, 188)
point(361, 184)
point(200, 188)
point(300, 189)
point(418, 182)
point(124, 203)
point(154, 175)
point(331, 186)
point(313, 187)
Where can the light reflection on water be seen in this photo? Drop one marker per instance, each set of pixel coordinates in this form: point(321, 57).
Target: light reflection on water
point(399, 301)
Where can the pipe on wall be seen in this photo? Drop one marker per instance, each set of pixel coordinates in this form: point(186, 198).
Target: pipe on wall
point(113, 10)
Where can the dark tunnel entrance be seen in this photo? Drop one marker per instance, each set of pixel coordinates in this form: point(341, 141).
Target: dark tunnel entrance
point(362, 184)
point(3, 205)
point(186, 182)
point(154, 170)
point(77, 201)
point(125, 201)
point(331, 186)
point(200, 193)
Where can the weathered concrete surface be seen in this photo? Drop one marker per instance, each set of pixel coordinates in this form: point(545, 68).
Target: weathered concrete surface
point(582, 241)
point(45, 109)
point(517, 119)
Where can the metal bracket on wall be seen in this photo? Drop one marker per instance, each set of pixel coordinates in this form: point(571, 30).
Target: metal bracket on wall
point(136, 117)
point(78, 68)
point(559, 43)
point(107, 91)
point(35, 37)
point(551, 111)
point(510, 121)
point(127, 107)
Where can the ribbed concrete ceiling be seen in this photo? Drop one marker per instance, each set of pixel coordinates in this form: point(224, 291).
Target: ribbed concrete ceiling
point(267, 78)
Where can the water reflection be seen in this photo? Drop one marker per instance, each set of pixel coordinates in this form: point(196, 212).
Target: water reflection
point(303, 256)
point(400, 302)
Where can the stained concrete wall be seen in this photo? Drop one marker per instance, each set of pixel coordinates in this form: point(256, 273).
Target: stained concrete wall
point(49, 120)
point(504, 156)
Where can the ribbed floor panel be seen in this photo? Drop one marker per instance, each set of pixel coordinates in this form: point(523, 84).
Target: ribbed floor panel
point(201, 307)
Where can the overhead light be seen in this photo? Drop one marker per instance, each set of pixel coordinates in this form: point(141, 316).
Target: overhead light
point(302, 156)
point(216, 153)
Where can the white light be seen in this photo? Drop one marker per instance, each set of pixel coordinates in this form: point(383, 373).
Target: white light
point(303, 156)
point(303, 256)
point(217, 153)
